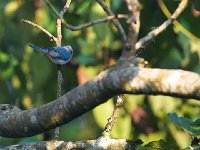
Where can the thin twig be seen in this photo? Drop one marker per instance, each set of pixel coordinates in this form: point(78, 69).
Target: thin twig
point(112, 120)
point(65, 8)
point(91, 23)
point(144, 42)
point(177, 25)
point(58, 44)
point(52, 8)
point(116, 21)
point(85, 25)
point(52, 37)
point(59, 20)
point(59, 33)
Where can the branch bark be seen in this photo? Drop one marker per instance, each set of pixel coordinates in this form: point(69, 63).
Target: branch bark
point(133, 21)
point(119, 79)
point(101, 144)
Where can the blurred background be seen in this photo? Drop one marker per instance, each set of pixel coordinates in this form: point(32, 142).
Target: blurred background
point(28, 78)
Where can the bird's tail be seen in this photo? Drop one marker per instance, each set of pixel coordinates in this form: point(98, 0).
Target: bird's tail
point(37, 48)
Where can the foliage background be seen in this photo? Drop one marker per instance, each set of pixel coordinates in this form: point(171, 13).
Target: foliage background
point(28, 79)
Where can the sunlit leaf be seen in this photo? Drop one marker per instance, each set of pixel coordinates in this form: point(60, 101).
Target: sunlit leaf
point(11, 7)
point(103, 112)
point(162, 104)
point(16, 82)
point(27, 102)
point(4, 57)
point(155, 136)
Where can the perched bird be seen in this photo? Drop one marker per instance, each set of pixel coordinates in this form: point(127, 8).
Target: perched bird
point(59, 55)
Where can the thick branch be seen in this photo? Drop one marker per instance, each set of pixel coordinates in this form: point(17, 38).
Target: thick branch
point(133, 28)
point(100, 144)
point(117, 80)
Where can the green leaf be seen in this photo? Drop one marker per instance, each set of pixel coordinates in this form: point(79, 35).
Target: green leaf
point(155, 145)
point(192, 148)
point(187, 124)
point(4, 57)
point(161, 144)
point(196, 123)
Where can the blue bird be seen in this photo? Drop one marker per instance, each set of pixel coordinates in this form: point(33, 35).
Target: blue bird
point(59, 55)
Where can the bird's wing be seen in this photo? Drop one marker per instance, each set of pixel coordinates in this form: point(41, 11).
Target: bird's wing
point(63, 53)
point(53, 53)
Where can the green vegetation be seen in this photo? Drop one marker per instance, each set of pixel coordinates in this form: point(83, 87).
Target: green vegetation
point(28, 78)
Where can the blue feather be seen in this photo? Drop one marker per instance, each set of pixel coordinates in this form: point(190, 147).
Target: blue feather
point(59, 55)
point(37, 48)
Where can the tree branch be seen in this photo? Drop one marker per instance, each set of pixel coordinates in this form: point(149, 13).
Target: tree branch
point(177, 25)
point(100, 144)
point(112, 120)
point(88, 24)
point(134, 19)
point(51, 36)
point(144, 42)
point(134, 27)
point(119, 79)
point(94, 22)
point(116, 21)
point(59, 44)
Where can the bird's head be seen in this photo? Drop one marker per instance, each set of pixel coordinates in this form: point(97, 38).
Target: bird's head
point(69, 49)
